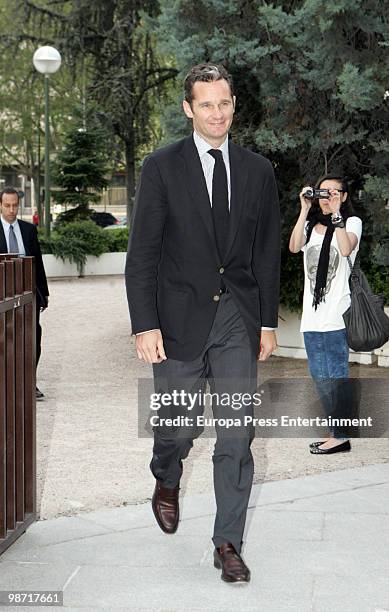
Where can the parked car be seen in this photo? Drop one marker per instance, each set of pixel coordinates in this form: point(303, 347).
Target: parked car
point(80, 213)
point(104, 219)
point(120, 223)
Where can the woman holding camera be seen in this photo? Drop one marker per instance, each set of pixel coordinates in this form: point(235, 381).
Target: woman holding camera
point(327, 231)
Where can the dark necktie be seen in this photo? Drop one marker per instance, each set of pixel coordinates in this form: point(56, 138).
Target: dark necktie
point(220, 212)
point(13, 243)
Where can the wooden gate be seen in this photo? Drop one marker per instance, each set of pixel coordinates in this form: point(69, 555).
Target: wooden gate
point(17, 397)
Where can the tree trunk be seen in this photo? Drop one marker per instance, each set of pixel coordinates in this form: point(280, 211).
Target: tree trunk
point(130, 177)
point(37, 188)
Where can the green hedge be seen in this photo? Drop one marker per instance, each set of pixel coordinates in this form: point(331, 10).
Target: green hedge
point(75, 241)
point(378, 277)
point(118, 239)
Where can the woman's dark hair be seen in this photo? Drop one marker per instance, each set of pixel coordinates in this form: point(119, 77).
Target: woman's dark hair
point(346, 208)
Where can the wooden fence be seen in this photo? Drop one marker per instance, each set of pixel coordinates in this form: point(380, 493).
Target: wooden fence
point(17, 397)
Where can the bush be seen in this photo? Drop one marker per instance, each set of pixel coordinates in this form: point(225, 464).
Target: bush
point(75, 241)
point(118, 239)
point(378, 277)
point(44, 243)
point(292, 281)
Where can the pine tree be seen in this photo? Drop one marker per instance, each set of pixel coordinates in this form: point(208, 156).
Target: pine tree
point(81, 169)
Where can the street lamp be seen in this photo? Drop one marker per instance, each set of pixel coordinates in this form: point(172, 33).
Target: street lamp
point(47, 60)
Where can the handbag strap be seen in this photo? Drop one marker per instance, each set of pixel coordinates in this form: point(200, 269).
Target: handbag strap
point(354, 268)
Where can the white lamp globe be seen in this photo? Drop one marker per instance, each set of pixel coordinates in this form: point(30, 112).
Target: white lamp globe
point(47, 60)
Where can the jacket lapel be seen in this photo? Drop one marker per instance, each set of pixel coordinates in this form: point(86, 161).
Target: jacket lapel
point(3, 242)
point(197, 186)
point(25, 236)
point(239, 177)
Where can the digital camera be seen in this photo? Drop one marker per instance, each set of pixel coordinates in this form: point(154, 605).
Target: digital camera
point(312, 193)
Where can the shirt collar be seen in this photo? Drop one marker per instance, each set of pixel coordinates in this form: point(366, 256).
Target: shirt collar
point(7, 225)
point(203, 146)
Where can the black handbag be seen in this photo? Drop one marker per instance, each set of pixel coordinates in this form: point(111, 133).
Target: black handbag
point(367, 325)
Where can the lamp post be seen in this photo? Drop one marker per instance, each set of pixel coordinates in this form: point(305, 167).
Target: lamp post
point(47, 61)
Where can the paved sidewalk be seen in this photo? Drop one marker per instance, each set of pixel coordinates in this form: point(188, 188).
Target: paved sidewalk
point(314, 544)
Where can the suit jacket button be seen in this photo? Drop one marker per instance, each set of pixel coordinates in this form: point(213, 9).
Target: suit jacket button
point(216, 298)
point(221, 270)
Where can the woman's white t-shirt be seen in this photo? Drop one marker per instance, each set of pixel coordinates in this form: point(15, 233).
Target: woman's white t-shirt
point(328, 316)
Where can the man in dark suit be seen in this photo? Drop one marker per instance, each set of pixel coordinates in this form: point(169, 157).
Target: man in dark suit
point(202, 277)
point(17, 236)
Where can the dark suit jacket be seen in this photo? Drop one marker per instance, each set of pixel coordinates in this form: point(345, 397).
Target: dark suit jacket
point(31, 246)
point(173, 270)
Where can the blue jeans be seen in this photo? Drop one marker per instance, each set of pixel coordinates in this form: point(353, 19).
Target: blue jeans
point(328, 364)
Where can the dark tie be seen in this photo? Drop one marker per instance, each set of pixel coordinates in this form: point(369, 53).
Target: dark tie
point(220, 212)
point(13, 243)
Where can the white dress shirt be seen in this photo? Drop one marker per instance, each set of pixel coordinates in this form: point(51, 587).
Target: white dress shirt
point(17, 233)
point(208, 164)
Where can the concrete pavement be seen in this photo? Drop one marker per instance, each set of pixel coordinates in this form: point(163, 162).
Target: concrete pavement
point(314, 544)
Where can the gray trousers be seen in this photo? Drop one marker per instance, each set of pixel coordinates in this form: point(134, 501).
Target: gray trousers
point(230, 366)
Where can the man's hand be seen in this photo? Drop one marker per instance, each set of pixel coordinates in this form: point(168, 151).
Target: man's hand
point(149, 347)
point(268, 344)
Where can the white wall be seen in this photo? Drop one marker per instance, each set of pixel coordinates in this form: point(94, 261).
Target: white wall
point(108, 263)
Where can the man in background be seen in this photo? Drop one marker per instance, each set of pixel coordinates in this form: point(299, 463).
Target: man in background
point(35, 218)
point(21, 237)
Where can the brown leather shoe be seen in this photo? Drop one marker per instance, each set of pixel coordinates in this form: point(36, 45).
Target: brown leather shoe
point(165, 507)
point(232, 565)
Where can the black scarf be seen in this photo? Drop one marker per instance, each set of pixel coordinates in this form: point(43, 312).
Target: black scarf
point(322, 268)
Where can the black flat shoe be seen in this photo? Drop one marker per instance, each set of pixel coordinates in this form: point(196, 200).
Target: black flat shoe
point(339, 448)
point(38, 394)
point(316, 444)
